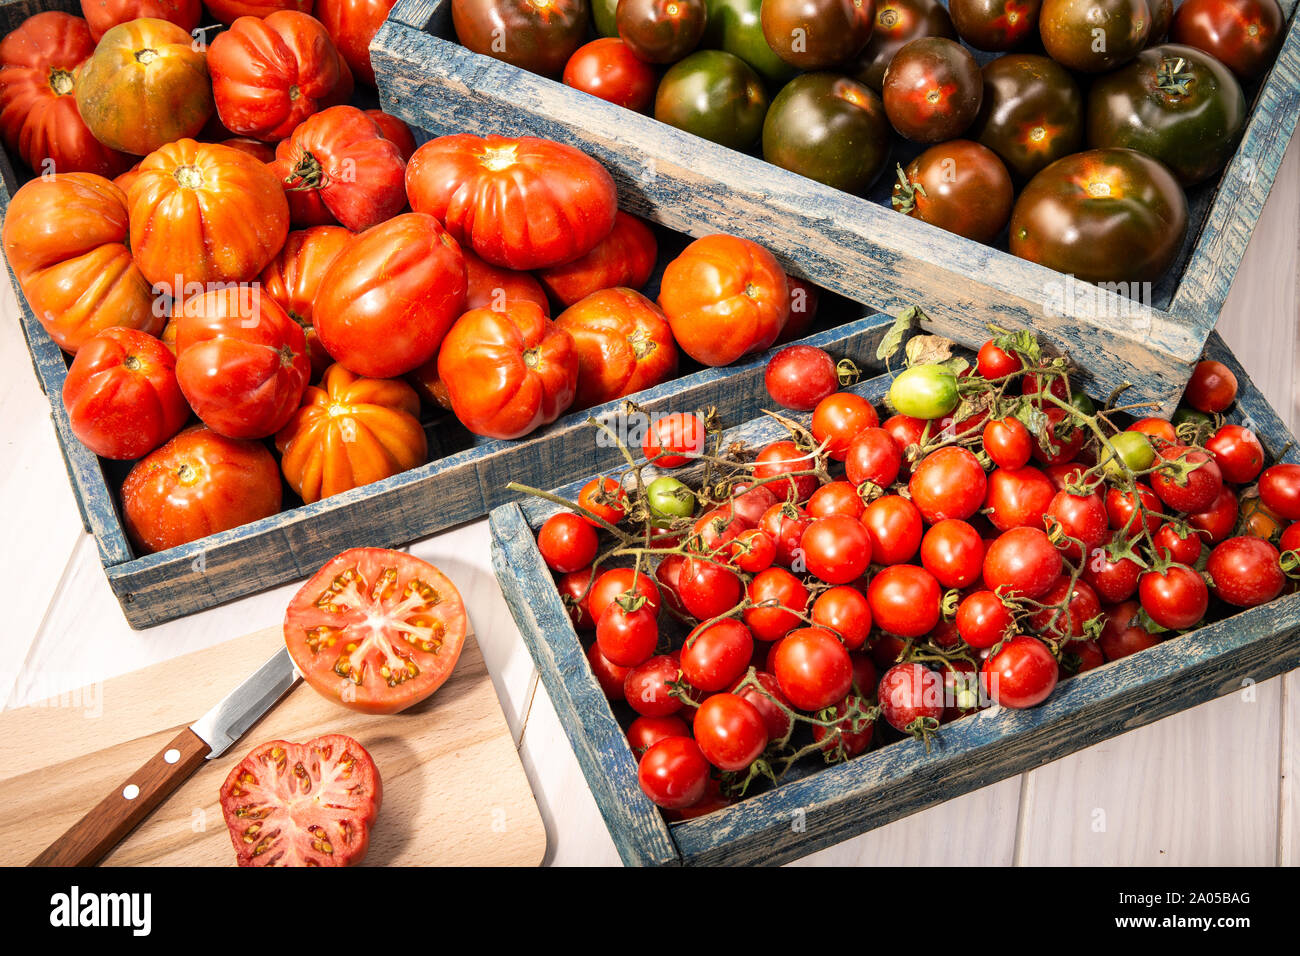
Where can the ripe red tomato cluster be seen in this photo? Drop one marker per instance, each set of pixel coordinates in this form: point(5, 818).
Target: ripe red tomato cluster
point(1040, 137)
point(863, 580)
point(256, 268)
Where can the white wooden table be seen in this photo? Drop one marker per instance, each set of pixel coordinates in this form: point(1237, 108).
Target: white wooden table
point(1216, 784)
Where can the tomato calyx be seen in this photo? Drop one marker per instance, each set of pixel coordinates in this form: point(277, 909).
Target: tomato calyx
point(62, 81)
point(642, 344)
point(294, 93)
point(188, 177)
point(1173, 76)
point(905, 193)
point(533, 358)
point(497, 158)
point(145, 56)
point(307, 173)
point(923, 729)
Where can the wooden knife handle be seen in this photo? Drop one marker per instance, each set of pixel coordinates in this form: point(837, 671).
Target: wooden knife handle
point(89, 839)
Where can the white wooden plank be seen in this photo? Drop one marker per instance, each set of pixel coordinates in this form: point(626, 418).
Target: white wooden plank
point(41, 520)
point(1288, 849)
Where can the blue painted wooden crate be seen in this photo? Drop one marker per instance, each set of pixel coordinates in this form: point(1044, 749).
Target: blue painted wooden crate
point(831, 804)
point(465, 477)
point(859, 247)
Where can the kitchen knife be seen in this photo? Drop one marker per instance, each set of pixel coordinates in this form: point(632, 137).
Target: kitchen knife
point(89, 839)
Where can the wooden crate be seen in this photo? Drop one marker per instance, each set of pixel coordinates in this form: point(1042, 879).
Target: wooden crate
point(831, 804)
point(859, 247)
point(465, 477)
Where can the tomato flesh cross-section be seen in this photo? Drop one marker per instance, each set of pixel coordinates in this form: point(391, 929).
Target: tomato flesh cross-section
point(376, 630)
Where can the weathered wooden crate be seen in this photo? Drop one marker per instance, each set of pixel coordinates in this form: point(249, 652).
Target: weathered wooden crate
point(859, 247)
point(831, 804)
point(465, 477)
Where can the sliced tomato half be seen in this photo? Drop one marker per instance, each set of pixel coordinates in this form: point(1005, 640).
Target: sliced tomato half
point(308, 804)
point(376, 630)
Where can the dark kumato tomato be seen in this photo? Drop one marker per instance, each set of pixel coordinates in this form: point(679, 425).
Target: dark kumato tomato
point(899, 22)
point(995, 24)
point(736, 27)
point(829, 128)
point(1106, 215)
point(1069, 30)
point(960, 186)
point(714, 95)
point(817, 34)
point(932, 90)
point(1032, 112)
point(1175, 103)
point(535, 36)
point(660, 31)
point(1243, 34)
point(1162, 15)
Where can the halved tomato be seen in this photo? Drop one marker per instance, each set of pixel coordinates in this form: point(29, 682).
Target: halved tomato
point(376, 630)
point(308, 804)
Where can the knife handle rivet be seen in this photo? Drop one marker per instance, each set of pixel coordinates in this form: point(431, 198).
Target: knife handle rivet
point(172, 755)
point(131, 791)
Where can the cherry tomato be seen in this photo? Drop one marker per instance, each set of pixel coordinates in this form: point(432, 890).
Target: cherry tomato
point(777, 598)
point(645, 687)
point(838, 419)
point(673, 440)
point(895, 526)
point(708, 589)
point(1061, 441)
point(1212, 387)
point(846, 612)
point(752, 501)
point(1022, 562)
point(1216, 522)
point(1157, 428)
point(1083, 606)
point(786, 458)
point(1123, 635)
point(674, 773)
point(618, 581)
point(644, 732)
point(837, 549)
point(1279, 490)
point(852, 735)
point(1178, 549)
point(1022, 674)
point(777, 721)
point(1290, 539)
point(994, 363)
point(1187, 480)
point(812, 667)
point(753, 550)
point(800, 376)
point(1245, 571)
point(1018, 498)
point(627, 638)
point(567, 542)
point(983, 620)
point(1122, 508)
point(730, 731)
point(573, 589)
point(668, 574)
point(604, 498)
point(714, 657)
point(785, 524)
point(953, 552)
point(1238, 453)
point(1008, 443)
point(910, 696)
point(836, 498)
point(1114, 581)
point(1081, 517)
point(904, 600)
point(948, 483)
point(1175, 598)
point(608, 68)
point(874, 456)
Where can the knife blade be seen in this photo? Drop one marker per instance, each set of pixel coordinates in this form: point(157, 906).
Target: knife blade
point(88, 840)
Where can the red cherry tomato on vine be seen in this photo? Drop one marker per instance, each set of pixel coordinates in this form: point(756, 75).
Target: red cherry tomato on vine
point(1212, 387)
point(983, 620)
point(909, 696)
point(800, 377)
point(1279, 490)
point(838, 419)
point(1022, 674)
point(786, 458)
point(896, 529)
point(1246, 572)
point(674, 773)
point(627, 638)
point(953, 552)
point(730, 731)
point(812, 667)
point(904, 600)
point(673, 440)
point(844, 611)
point(608, 68)
point(1238, 453)
point(1008, 443)
point(716, 656)
point(1022, 562)
point(567, 542)
point(1175, 598)
point(783, 598)
point(836, 549)
point(948, 483)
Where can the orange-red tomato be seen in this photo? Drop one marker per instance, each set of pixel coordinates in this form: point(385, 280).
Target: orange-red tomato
point(349, 432)
point(394, 130)
point(724, 297)
point(353, 24)
point(228, 11)
point(66, 240)
point(625, 257)
point(623, 343)
point(491, 287)
point(509, 372)
point(294, 276)
point(103, 15)
point(38, 102)
point(121, 394)
point(203, 213)
point(522, 203)
point(390, 296)
point(197, 484)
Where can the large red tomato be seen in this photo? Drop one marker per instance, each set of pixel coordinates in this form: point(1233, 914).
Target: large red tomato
point(66, 240)
point(145, 85)
point(394, 130)
point(376, 630)
point(121, 394)
point(724, 297)
point(625, 257)
point(390, 296)
point(38, 103)
point(228, 11)
point(532, 35)
point(198, 484)
point(294, 276)
point(103, 15)
point(342, 155)
point(349, 432)
point(521, 203)
point(491, 287)
point(241, 361)
point(201, 213)
point(270, 75)
point(623, 343)
point(508, 372)
point(353, 24)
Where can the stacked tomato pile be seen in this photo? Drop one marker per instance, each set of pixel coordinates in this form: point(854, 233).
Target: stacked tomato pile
point(291, 271)
point(865, 579)
point(1087, 115)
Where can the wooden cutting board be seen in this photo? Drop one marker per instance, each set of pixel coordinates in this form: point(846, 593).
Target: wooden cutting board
point(455, 793)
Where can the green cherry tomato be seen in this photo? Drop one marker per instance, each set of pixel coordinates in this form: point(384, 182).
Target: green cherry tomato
point(734, 26)
point(669, 498)
point(1134, 449)
point(715, 95)
point(924, 391)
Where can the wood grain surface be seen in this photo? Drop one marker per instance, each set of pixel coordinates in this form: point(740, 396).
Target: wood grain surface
point(454, 790)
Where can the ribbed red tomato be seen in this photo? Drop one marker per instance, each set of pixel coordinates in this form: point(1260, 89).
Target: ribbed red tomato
point(38, 103)
point(353, 25)
point(509, 372)
point(103, 15)
point(625, 257)
point(228, 11)
point(121, 394)
point(270, 75)
point(294, 276)
point(623, 343)
point(390, 296)
point(521, 203)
